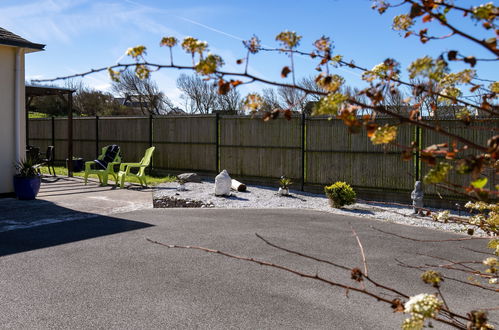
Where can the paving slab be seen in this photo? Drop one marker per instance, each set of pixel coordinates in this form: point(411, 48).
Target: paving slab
point(64, 198)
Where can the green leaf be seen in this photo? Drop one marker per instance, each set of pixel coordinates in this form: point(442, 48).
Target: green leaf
point(438, 173)
point(479, 183)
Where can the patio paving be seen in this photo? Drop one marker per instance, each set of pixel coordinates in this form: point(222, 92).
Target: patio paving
point(63, 199)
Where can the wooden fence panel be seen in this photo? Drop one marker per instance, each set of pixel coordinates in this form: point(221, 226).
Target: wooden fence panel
point(84, 138)
point(252, 147)
point(61, 137)
point(130, 133)
point(185, 143)
point(333, 154)
point(477, 132)
point(40, 133)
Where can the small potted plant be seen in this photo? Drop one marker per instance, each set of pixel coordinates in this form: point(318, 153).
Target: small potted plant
point(181, 184)
point(284, 184)
point(340, 194)
point(27, 180)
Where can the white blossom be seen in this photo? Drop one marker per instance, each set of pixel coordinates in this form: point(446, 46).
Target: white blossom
point(423, 305)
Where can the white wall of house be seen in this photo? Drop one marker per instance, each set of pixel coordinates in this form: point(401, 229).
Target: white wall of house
point(8, 120)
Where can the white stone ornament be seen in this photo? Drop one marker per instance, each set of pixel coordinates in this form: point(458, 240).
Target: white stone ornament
point(223, 183)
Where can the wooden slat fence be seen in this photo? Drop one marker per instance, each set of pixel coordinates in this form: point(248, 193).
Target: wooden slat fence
point(131, 134)
point(254, 148)
point(83, 139)
point(478, 132)
point(333, 154)
point(185, 143)
point(313, 151)
point(40, 133)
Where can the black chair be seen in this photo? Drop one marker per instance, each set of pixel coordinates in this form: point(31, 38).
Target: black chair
point(49, 160)
point(33, 153)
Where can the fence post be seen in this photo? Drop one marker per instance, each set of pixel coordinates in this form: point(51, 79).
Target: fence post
point(303, 138)
point(27, 128)
point(53, 131)
point(97, 136)
point(217, 143)
point(70, 135)
point(418, 154)
point(151, 118)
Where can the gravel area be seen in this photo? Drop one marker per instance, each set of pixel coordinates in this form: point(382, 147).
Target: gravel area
point(202, 195)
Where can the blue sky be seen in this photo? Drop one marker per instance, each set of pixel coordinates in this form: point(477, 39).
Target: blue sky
point(85, 34)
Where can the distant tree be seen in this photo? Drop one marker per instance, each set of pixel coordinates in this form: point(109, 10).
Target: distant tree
point(393, 99)
point(230, 101)
point(292, 98)
point(270, 100)
point(144, 93)
point(310, 84)
point(200, 96)
point(90, 102)
point(203, 97)
point(52, 105)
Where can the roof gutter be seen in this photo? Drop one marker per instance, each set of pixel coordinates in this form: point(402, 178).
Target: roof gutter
point(28, 46)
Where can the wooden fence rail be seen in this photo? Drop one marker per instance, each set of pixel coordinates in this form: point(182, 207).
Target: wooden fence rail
point(311, 151)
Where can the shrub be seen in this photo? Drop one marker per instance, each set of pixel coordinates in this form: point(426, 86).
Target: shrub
point(340, 194)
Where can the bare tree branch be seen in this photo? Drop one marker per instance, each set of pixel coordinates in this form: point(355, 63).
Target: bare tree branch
point(361, 252)
point(430, 240)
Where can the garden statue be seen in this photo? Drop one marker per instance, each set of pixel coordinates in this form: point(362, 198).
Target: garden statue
point(417, 198)
point(223, 183)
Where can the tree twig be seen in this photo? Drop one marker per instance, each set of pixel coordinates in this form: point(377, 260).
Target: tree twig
point(364, 261)
point(422, 268)
point(306, 275)
point(272, 265)
point(379, 285)
point(430, 240)
point(476, 251)
point(456, 30)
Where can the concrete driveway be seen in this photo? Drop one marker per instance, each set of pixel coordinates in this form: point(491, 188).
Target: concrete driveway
point(101, 273)
point(63, 199)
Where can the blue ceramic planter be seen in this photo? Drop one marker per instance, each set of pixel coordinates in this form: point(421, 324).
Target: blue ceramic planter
point(27, 188)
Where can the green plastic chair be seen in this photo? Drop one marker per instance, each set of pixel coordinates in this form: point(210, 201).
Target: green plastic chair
point(103, 174)
point(126, 167)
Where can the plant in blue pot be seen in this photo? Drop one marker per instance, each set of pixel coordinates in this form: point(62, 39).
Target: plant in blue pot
point(27, 179)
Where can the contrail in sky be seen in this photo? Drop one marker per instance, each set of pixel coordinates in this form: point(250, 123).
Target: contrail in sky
point(211, 28)
point(241, 39)
point(120, 58)
point(222, 33)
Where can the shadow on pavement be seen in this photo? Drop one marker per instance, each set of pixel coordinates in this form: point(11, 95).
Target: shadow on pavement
point(42, 236)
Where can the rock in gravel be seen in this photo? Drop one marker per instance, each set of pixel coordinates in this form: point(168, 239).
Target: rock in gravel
point(223, 184)
point(189, 177)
